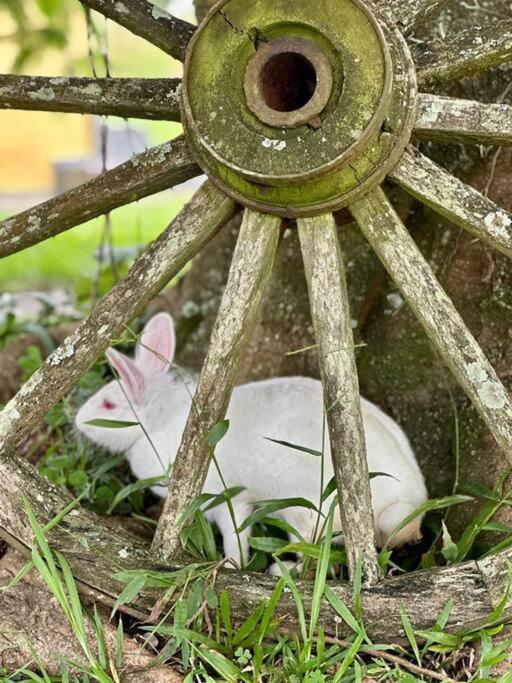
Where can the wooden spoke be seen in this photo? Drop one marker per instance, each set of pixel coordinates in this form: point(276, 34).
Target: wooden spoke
point(433, 308)
point(464, 53)
point(325, 274)
point(248, 277)
point(145, 174)
point(193, 227)
point(447, 119)
point(454, 200)
point(410, 13)
point(143, 98)
point(148, 21)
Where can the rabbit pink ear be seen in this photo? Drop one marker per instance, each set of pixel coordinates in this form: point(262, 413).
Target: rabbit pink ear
point(157, 344)
point(131, 377)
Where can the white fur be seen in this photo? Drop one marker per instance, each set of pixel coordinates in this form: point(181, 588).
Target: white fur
point(286, 408)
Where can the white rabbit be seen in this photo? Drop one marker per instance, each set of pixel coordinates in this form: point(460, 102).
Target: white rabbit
point(287, 408)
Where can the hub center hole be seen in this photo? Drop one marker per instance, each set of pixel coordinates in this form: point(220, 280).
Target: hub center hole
point(287, 81)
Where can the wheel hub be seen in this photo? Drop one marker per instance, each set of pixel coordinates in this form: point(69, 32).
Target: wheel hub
point(297, 108)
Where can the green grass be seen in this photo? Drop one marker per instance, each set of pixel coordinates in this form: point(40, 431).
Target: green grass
point(68, 259)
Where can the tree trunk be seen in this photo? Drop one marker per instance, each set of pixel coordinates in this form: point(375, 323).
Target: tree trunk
point(399, 370)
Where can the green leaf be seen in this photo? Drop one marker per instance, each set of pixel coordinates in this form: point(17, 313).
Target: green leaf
point(409, 632)
point(281, 524)
point(270, 609)
point(77, 479)
point(429, 506)
point(249, 624)
point(111, 424)
point(341, 608)
point(329, 489)
point(266, 544)
point(216, 498)
point(207, 537)
point(222, 666)
point(449, 549)
point(129, 592)
point(225, 612)
point(296, 596)
point(448, 639)
point(217, 433)
point(484, 516)
point(349, 657)
point(268, 507)
point(321, 573)
point(497, 526)
point(314, 551)
point(135, 486)
point(302, 449)
point(480, 491)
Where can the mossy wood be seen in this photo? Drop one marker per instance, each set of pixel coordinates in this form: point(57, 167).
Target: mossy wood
point(144, 174)
point(248, 276)
point(325, 274)
point(448, 119)
point(143, 98)
point(283, 171)
point(96, 551)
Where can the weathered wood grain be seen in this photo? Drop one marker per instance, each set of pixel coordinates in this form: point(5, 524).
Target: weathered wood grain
point(464, 53)
point(409, 13)
point(248, 276)
point(447, 119)
point(143, 98)
point(148, 21)
point(191, 229)
point(144, 174)
point(325, 274)
point(453, 199)
point(434, 309)
point(96, 551)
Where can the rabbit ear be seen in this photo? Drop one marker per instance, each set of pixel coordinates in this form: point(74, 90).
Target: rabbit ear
point(157, 344)
point(131, 377)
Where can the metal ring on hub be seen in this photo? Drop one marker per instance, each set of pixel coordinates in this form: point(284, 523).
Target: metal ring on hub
point(288, 82)
point(297, 115)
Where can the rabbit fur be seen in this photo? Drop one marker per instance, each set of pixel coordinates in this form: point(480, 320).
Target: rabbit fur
point(159, 397)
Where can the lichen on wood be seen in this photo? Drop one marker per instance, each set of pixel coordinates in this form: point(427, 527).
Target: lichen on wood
point(96, 551)
point(448, 119)
point(444, 326)
point(143, 98)
point(208, 210)
point(248, 276)
point(149, 21)
point(408, 13)
point(453, 199)
point(464, 53)
point(325, 274)
point(144, 174)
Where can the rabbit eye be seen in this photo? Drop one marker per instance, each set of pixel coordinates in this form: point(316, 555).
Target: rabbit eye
point(108, 405)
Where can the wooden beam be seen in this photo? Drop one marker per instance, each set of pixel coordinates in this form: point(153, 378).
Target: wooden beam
point(447, 119)
point(409, 13)
point(325, 274)
point(143, 98)
point(464, 53)
point(248, 276)
point(453, 199)
point(434, 309)
point(148, 21)
point(97, 550)
point(144, 174)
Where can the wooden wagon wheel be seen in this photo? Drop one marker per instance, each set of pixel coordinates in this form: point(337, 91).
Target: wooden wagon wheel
point(290, 116)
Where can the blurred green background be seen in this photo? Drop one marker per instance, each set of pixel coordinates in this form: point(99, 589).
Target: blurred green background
point(50, 38)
